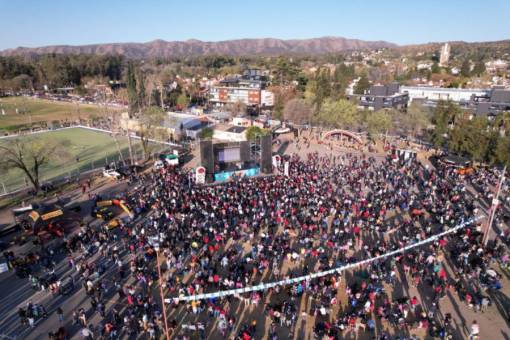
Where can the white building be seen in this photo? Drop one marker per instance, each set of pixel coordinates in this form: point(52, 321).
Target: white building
point(249, 96)
point(440, 93)
point(424, 66)
point(496, 65)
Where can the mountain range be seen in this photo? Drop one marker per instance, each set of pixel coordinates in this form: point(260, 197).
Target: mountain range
point(162, 48)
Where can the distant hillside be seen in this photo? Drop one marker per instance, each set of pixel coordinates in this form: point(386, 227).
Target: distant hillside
point(161, 48)
point(486, 47)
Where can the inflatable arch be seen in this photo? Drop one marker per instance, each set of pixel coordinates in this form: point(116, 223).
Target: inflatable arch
point(346, 133)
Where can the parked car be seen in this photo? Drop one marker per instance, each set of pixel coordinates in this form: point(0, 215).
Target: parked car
point(169, 159)
point(159, 164)
point(111, 173)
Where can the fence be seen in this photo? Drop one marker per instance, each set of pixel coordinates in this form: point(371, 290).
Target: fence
point(72, 170)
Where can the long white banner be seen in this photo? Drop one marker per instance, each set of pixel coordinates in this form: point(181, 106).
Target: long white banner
point(264, 286)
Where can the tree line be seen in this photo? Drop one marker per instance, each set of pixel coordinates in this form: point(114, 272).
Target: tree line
point(483, 139)
point(57, 70)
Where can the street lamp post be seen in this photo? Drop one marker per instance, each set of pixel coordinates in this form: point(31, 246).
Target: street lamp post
point(167, 334)
point(494, 206)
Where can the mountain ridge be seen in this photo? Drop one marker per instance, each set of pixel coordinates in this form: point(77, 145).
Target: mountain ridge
point(162, 48)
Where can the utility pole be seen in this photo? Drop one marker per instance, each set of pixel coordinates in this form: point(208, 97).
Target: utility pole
point(111, 117)
point(494, 206)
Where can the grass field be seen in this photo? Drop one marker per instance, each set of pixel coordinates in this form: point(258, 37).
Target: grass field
point(39, 110)
point(90, 147)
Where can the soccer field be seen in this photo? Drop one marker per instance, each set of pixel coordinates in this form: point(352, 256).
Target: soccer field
point(88, 149)
point(41, 110)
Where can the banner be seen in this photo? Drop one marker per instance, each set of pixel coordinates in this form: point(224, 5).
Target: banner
point(276, 161)
point(223, 176)
point(200, 175)
point(265, 286)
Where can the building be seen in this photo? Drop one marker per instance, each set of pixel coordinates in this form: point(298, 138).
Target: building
point(240, 121)
point(424, 66)
point(445, 55)
point(492, 103)
point(221, 95)
point(477, 101)
point(248, 89)
point(383, 97)
point(181, 125)
point(434, 93)
point(455, 71)
point(229, 133)
point(494, 66)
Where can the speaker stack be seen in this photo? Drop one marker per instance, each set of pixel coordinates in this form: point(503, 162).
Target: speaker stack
point(266, 154)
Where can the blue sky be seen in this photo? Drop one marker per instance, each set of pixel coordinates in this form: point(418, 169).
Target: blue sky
point(50, 22)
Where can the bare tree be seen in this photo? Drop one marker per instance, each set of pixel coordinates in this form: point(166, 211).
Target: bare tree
point(29, 156)
point(150, 127)
point(237, 109)
point(412, 122)
point(298, 110)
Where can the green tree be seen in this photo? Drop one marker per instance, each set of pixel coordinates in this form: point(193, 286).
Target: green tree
point(445, 113)
point(22, 82)
point(470, 138)
point(285, 71)
point(378, 122)
point(502, 123)
point(435, 68)
point(340, 114)
point(309, 93)
point(206, 133)
point(479, 68)
point(341, 77)
point(302, 81)
point(322, 85)
point(254, 131)
point(362, 85)
point(502, 151)
point(465, 69)
point(142, 95)
point(491, 155)
point(183, 101)
point(133, 106)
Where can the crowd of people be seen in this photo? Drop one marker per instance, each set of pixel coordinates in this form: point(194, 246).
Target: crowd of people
point(329, 211)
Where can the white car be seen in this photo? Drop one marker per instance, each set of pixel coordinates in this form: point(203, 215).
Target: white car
point(110, 173)
point(159, 165)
